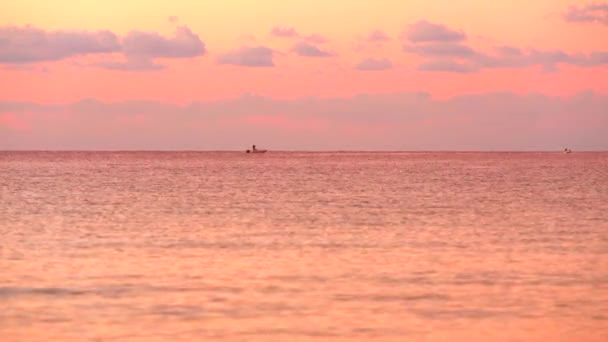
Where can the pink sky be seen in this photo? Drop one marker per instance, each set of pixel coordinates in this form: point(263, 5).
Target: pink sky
point(547, 59)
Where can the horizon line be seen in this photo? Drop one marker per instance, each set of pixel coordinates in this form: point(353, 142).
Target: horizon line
point(301, 151)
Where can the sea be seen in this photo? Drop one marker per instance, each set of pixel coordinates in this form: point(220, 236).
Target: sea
point(288, 246)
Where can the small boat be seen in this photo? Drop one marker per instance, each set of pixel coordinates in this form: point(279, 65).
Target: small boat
point(255, 150)
point(567, 150)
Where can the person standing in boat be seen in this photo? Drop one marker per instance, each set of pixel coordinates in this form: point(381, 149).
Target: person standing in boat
point(255, 150)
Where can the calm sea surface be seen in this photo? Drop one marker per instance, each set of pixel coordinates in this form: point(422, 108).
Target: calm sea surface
point(303, 246)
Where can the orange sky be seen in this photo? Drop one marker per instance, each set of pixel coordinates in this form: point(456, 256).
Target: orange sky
point(229, 24)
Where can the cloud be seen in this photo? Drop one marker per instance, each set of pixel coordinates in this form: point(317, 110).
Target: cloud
point(152, 45)
point(24, 67)
point(377, 36)
point(309, 50)
point(290, 32)
point(142, 48)
point(594, 59)
point(461, 58)
point(424, 31)
point(508, 51)
point(173, 19)
point(31, 45)
point(449, 56)
point(13, 122)
point(132, 64)
point(592, 13)
point(259, 56)
point(447, 65)
point(441, 49)
point(370, 42)
point(284, 32)
point(371, 64)
point(28, 44)
point(403, 121)
point(316, 38)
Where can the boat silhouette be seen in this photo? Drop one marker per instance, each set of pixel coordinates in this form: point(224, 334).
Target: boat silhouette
point(255, 150)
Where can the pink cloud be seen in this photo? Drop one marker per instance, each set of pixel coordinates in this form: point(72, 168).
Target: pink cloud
point(405, 121)
point(13, 122)
point(131, 119)
point(285, 122)
point(23, 45)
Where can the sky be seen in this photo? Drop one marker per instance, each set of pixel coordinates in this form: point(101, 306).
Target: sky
point(303, 75)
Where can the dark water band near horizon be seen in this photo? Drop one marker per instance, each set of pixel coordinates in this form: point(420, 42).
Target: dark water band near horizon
point(350, 246)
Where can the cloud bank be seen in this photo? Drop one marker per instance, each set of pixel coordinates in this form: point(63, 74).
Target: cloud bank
point(404, 121)
point(443, 49)
point(446, 50)
point(592, 13)
point(140, 49)
point(28, 44)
